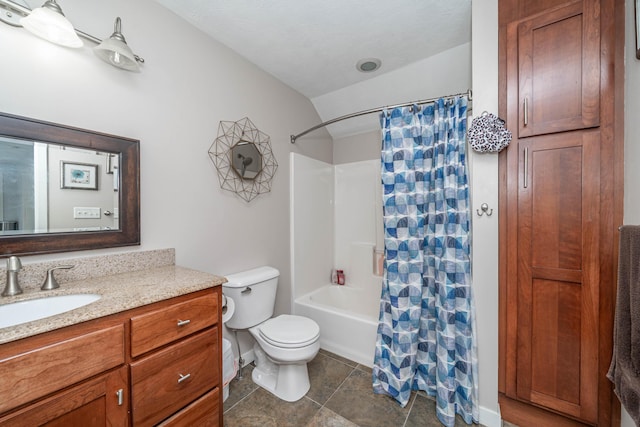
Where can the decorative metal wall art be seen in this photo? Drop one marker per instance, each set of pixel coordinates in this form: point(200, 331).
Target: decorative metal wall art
point(244, 160)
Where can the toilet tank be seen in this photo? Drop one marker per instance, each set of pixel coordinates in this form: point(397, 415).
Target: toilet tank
point(254, 295)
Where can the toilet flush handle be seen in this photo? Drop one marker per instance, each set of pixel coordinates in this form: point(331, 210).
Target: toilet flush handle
point(246, 290)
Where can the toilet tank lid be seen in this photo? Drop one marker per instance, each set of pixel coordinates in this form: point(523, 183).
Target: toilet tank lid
point(250, 277)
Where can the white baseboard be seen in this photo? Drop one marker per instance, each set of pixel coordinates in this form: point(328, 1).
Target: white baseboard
point(489, 418)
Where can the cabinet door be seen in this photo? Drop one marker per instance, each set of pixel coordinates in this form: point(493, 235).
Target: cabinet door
point(558, 272)
point(96, 403)
point(559, 70)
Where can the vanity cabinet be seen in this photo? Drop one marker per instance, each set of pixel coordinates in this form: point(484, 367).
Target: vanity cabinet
point(561, 74)
point(160, 363)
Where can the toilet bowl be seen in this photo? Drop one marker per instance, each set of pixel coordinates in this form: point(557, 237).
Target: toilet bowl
point(282, 356)
point(284, 344)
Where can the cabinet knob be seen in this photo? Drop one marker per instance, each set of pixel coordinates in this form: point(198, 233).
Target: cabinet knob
point(183, 378)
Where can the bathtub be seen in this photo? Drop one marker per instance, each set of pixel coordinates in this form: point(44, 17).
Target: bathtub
point(348, 319)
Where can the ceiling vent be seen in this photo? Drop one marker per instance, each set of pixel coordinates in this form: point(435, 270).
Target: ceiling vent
point(368, 65)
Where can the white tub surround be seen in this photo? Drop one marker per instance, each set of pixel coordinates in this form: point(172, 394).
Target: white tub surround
point(337, 208)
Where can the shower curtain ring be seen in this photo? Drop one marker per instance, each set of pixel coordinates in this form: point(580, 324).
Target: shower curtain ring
point(485, 210)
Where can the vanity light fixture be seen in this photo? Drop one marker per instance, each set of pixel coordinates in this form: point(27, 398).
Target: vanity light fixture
point(49, 23)
point(115, 50)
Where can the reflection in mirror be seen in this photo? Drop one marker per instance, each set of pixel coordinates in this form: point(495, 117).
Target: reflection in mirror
point(246, 160)
point(66, 189)
point(43, 188)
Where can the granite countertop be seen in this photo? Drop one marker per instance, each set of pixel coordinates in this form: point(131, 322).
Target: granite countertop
point(119, 292)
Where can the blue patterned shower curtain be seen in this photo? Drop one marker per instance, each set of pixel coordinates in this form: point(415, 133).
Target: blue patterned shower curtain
point(426, 338)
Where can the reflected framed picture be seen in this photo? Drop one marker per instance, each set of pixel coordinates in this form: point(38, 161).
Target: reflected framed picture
point(78, 176)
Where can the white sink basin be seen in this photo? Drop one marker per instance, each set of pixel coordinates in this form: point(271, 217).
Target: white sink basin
point(30, 310)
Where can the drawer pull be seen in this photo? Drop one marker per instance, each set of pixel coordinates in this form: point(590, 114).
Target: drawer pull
point(526, 167)
point(183, 378)
point(120, 395)
point(183, 322)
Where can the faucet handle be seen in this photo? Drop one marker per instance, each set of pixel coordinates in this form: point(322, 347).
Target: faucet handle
point(14, 264)
point(50, 282)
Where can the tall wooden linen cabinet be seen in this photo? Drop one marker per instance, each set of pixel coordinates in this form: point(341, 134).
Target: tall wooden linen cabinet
point(561, 191)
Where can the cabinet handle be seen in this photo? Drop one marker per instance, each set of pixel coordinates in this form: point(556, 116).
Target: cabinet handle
point(526, 167)
point(526, 111)
point(183, 322)
point(183, 378)
point(120, 395)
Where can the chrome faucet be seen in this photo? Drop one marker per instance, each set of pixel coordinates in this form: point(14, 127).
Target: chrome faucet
point(50, 282)
point(12, 287)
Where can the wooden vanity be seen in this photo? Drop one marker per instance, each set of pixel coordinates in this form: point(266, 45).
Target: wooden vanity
point(155, 364)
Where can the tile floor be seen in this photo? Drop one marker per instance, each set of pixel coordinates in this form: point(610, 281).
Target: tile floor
point(340, 396)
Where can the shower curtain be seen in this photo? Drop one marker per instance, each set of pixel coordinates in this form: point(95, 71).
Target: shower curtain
point(425, 338)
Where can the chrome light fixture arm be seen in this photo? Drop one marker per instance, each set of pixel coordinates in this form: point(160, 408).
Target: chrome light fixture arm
point(11, 12)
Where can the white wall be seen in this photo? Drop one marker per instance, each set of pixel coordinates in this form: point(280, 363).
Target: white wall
point(484, 189)
point(189, 83)
point(354, 148)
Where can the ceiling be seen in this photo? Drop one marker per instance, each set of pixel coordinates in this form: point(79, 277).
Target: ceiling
point(313, 45)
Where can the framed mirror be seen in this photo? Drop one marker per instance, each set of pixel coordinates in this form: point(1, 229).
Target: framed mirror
point(66, 189)
point(246, 160)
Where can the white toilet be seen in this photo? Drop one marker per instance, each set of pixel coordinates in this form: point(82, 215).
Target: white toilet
point(284, 344)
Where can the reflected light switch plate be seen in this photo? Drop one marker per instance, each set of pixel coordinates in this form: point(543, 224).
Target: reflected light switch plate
point(81, 213)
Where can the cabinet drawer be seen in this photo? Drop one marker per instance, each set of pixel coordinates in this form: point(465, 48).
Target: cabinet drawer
point(168, 380)
point(157, 328)
point(34, 373)
point(204, 412)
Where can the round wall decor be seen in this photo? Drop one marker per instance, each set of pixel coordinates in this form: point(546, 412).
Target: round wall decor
point(244, 160)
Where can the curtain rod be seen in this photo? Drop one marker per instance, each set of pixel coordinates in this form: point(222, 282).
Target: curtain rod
point(468, 94)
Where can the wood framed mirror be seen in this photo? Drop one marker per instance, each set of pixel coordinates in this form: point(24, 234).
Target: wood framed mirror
point(85, 184)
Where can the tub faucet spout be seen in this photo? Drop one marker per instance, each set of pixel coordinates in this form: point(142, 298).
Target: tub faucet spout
point(12, 286)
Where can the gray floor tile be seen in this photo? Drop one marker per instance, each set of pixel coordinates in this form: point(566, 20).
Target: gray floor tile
point(239, 389)
point(423, 413)
point(325, 375)
point(364, 368)
point(327, 418)
point(355, 401)
point(263, 409)
point(343, 387)
point(339, 358)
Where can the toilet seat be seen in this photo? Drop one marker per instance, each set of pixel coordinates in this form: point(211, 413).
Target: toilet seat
point(289, 331)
